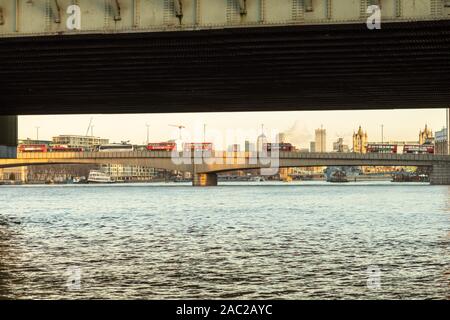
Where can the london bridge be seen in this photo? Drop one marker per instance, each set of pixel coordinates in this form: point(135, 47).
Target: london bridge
point(277, 241)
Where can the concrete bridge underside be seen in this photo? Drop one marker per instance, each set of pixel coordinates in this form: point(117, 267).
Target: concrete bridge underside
point(204, 171)
point(270, 68)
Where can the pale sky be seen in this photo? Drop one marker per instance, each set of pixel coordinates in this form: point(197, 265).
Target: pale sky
point(398, 125)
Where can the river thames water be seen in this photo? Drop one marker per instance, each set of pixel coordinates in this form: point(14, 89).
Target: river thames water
point(235, 241)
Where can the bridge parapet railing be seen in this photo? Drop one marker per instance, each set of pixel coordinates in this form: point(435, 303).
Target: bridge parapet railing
point(227, 157)
point(304, 155)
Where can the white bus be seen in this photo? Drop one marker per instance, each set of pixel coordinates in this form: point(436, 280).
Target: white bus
point(115, 147)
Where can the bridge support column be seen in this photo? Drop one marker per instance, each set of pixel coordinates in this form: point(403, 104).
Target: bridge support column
point(448, 130)
point(440, 174)
point(204, 180)
point(8, 136)
point(285, 174)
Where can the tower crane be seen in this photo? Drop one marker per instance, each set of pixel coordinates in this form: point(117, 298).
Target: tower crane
point(180, 127)
point(89, 126)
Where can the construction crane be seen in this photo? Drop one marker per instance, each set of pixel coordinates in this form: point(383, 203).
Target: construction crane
point(89, 126)
point(180, 127)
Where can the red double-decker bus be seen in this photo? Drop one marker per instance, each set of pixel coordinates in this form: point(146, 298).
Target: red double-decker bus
point(382, 148)
point(162, 146)
point(63, 148)
point(32, 148)
point(418, 149)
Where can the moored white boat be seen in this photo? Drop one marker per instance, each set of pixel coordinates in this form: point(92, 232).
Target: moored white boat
point(97, 176)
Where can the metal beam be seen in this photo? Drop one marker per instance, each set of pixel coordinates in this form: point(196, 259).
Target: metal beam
point(178, 6)
point(55, 11)
point(398, 8)
point(308, 6)
point(329, 9)
point(374, 3)
point(116, 10)
point(208, 14)
point(243, 6)
point(54, 7)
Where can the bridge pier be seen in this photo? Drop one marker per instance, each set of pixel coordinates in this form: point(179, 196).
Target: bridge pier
point(448, 129)
point(285, 174)
point(440, 174)
point(204, 179)
point(8, 136)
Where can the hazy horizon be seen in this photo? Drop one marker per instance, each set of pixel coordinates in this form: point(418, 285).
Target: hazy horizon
point(400, 125)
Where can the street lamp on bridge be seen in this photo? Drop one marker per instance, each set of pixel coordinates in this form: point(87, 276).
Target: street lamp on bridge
point(148, 136)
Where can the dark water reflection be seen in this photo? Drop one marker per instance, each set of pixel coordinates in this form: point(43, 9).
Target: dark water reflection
point(235, 241)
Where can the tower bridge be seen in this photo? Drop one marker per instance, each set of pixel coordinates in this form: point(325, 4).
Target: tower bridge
point(205, 167)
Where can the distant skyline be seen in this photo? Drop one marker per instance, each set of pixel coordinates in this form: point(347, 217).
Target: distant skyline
point(300, 125)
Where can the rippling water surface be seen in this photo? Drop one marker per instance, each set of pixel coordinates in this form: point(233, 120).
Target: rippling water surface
point(236, 241)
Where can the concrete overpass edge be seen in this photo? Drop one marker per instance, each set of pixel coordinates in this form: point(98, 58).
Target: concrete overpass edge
point(8, 136)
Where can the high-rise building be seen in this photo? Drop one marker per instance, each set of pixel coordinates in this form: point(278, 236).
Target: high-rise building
point(426, 136)
point(15, 174)
point(73, 141)
point(321, 140)
point(281, 137)
point(262, 140)
point(234, 147)
point(128, 172)
point(339, 146)
point(441, 142)
point(312, 146)
point(57, 173)
point(360, 141)
point(29, 141)
point(249, 146)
